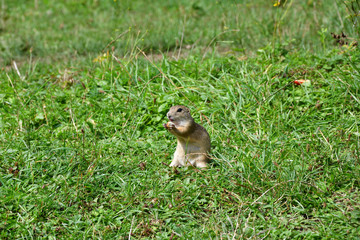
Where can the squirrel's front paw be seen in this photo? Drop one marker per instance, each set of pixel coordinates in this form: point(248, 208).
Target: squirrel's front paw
point(169, 125)
point(174, 164)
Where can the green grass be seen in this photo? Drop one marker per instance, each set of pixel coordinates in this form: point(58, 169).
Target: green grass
point(83, 153)
point(66, 30)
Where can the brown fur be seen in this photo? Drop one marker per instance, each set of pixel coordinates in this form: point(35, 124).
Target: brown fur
point(193, 141)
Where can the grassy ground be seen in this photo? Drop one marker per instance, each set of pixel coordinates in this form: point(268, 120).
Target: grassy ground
point(66, 30)
point(83, 153)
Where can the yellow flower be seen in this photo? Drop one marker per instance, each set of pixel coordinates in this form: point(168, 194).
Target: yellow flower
point(102, 58)
point(278, 2)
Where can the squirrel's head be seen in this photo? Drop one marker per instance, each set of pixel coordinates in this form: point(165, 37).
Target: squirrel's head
point(178, 114)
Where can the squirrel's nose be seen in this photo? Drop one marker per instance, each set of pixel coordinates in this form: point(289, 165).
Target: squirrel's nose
point(170, 117)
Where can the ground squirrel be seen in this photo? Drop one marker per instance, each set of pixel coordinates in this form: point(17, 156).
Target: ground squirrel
point(193, 141)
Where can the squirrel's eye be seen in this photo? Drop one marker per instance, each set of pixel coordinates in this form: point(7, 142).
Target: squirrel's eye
point(179, 110)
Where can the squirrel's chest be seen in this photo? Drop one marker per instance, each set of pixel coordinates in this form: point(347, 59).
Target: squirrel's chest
point(189, 147)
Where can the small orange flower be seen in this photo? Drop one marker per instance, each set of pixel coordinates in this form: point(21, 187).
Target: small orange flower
point(302, 81)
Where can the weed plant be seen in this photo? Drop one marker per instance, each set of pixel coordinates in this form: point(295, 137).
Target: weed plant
point(353, 9)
